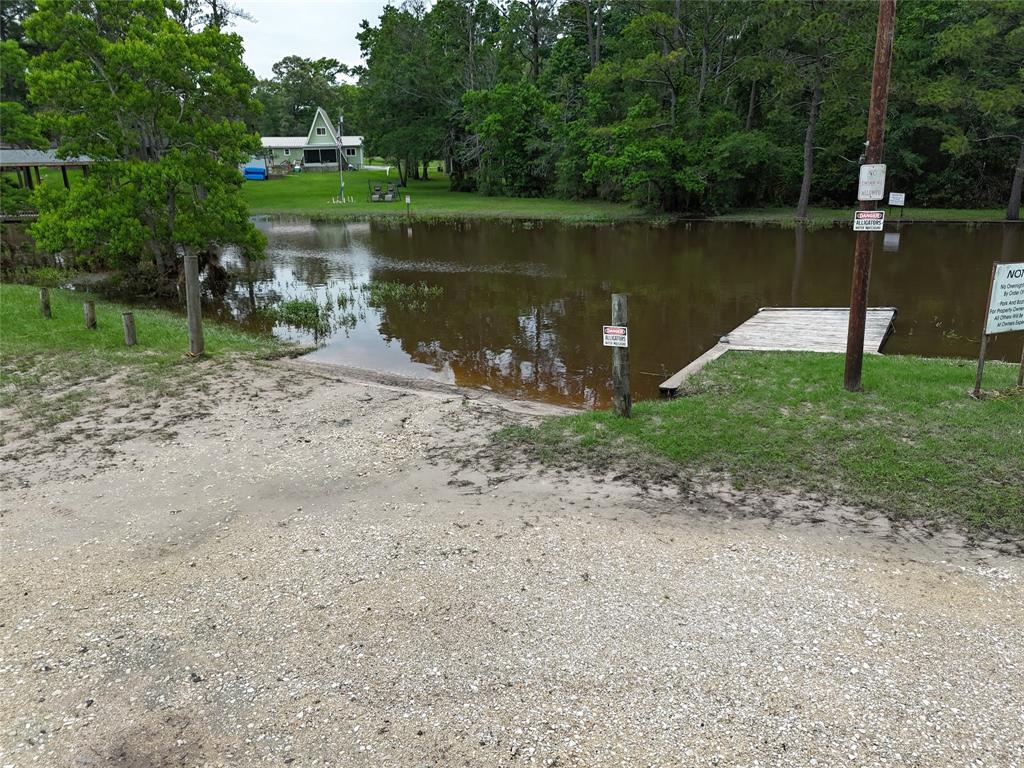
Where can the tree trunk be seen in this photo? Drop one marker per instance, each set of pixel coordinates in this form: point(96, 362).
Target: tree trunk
point(1013, 207)
point(805, 185)
point(534, 40)
point(426, 170)
point(412, 169)
point(751, 105)
point(402, 174)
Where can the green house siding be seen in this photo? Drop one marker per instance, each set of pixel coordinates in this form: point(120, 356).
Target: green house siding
point(318, 150)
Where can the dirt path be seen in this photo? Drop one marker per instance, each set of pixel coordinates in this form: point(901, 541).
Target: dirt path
point(308, 575)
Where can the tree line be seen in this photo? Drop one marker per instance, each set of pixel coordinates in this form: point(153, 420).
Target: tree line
point(684, 105)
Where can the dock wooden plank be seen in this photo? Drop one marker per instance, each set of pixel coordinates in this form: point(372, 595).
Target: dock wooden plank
point(793, 329)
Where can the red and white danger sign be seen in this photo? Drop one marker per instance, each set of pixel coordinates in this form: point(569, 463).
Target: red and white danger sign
point(868, 221)
point(615, 336)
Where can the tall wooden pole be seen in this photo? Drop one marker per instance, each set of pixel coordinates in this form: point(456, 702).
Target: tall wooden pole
point(44, 302)
point(621, 396)
point(873, 154)
point(193, 305)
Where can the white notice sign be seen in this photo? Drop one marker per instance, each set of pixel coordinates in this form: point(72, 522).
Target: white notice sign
point(897, 198)
point(872, 182)
point(1006, 307)
point(408, 199)
point(868, 221)
point(615, 336)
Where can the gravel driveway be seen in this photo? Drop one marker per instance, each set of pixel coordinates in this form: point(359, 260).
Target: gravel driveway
point(306, 576)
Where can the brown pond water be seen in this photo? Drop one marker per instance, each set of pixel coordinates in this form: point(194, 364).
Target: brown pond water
point(521, 307)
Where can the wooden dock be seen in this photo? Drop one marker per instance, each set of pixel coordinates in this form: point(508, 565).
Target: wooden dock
point(792, 329)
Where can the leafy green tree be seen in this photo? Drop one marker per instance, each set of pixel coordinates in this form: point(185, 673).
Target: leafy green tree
point(162, 110)
point(977, 88)
point(299, 86)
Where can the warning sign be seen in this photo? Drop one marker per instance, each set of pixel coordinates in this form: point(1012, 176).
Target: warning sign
point(868, 221)
point(1006, 305)
point(871, 184)
point(615, 336)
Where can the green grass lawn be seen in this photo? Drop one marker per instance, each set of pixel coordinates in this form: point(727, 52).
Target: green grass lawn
point(48, 365)
point(913, 444)
point(311, 193)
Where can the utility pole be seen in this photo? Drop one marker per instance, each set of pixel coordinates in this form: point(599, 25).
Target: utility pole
point(872, 155)
point(341, 158)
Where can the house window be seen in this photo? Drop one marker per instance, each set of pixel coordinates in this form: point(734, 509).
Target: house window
point(287, 152)
point(321, 131)
point(350, 152)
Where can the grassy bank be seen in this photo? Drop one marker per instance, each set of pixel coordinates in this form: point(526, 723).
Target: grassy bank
point(48, 365)
point(912, 445)
point(310, 194)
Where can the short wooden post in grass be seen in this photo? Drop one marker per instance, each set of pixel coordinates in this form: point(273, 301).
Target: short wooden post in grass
point(620, 359)
point(128, 320)
point(194, 307)
point(89, 310)
point(1020, 373)
point(44, 302)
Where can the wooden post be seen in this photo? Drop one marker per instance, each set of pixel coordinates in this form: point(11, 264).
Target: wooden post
point(981, 365)
point(89, 310)
point(64, 175)
point(128, 320)
point(193, 305)
point(1020, 373)
point(872, 155)
point(44, 302)
point(39, 179)
point(984, 335)
point(620, 359)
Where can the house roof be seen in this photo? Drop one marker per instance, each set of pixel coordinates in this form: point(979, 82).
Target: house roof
point(298, 142)
point(321, 113)
point(24, 158)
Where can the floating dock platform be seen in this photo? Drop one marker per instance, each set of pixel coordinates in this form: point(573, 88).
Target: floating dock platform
point(792, 329)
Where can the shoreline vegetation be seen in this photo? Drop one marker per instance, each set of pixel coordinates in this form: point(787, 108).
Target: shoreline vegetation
point(311, 194)
point(913, 445)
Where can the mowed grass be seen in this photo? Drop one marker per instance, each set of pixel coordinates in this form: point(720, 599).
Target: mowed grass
point(912, 445)
point(162, 335)
point(311, 193)
point(49, 366)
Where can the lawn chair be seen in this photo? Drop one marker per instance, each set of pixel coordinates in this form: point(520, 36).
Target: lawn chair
point(391, 195)
point(376, 196)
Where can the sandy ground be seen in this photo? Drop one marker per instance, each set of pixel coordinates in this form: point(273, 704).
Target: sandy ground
point(306, 566)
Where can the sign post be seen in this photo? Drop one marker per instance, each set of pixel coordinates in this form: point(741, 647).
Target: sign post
point(616, 336)
point(869, 186)
point(1004, 313)
point(898, 200)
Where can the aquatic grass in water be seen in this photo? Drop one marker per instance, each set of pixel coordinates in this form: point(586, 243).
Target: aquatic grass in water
point(411, 296)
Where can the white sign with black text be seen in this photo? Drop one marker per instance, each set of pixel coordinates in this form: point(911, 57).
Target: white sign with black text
point(868, 221)
point(872, 182)
point(1006, 305)
point(615, 336)
point(897, 198)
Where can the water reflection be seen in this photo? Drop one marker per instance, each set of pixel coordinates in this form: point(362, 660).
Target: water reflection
point(521, 306)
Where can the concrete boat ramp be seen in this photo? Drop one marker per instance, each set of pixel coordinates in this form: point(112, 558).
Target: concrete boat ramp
point(792, 329)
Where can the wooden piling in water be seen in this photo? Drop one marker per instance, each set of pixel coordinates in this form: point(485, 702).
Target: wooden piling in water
point(128, 320)
point(89, 310)
point(44, 302)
